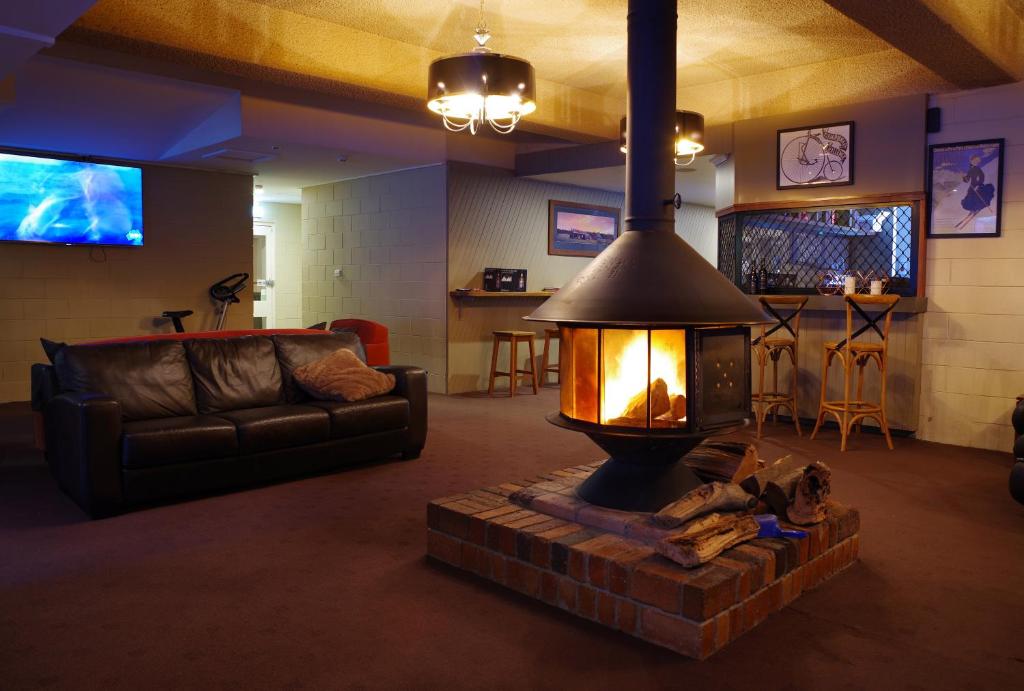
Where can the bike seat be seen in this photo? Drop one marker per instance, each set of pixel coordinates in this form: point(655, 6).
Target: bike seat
point(171, 314)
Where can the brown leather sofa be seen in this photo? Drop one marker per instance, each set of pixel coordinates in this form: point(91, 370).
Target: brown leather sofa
point(128, 424)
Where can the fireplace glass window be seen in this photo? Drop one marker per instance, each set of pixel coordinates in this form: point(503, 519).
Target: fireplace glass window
point(625, 377)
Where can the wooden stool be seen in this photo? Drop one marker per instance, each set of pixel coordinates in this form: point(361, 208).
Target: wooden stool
point(850, 411)
point(513, 338)
point(767, 348)
point(546, 366)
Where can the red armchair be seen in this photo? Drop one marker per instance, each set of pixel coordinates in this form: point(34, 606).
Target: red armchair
point(374, 337)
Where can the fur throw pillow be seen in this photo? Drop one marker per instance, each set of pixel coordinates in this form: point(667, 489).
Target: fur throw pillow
point(342, 376)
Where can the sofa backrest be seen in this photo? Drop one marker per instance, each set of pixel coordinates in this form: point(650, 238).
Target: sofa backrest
point(235, 373)
point(150, 379)
point(296, 351)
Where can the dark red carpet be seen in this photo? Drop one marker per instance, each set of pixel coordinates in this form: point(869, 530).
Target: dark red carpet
point(322, 583)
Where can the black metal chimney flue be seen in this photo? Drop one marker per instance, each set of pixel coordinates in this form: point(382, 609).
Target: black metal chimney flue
point(650, 115)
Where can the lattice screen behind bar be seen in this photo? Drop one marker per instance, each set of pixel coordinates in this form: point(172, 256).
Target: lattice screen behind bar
point(802, 250)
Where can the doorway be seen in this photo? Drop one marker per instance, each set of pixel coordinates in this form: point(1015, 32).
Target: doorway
point(263, 275)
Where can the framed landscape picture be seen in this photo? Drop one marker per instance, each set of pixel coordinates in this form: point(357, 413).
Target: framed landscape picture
point(965, 187)
point(580, 230)
point(818, 156)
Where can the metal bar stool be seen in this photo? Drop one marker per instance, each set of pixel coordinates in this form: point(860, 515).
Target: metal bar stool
point(767, 348)
point(513, 338)
point(545, 361)
point(853, 353)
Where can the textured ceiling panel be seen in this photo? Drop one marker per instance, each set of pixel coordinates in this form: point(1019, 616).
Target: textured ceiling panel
point(738, 58)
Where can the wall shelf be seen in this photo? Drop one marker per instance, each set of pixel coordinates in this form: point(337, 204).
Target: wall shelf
point(462, 296)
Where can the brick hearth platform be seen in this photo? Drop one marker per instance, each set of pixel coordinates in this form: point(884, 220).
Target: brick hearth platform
point(600, 565)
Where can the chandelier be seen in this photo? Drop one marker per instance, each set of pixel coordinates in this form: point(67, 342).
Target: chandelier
point(689, 136)
point(470, 88)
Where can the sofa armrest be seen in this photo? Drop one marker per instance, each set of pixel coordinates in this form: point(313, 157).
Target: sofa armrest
point(44, 385)
point(411, 383)
point(83, 437)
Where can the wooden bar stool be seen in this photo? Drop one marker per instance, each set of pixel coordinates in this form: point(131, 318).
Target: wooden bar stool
point(513, 338)
point(545, 360)
point(767, 348)
point(853, 353)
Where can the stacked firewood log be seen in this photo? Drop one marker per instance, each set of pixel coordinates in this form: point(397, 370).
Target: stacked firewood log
point(720, 513)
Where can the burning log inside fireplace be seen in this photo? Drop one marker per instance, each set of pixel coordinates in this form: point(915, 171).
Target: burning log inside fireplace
point(667, 410)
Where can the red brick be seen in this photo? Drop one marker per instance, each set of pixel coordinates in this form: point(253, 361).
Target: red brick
point(526, 537)
point(478, 522)
point(673, 632)
point(541, 555)
point(482, 496)
point(744, 571)
point(622, 566)
point(497, 567)
point(855, 547)
point(549, 587)
point(522, 577)
point(586, 602)
point(433, 515)
point(444, 547)
point(606, 608)
point(600, 560)
point(709, 592)
point(625, 615)
point(775, 596)
point(756, 609)
point(471, 557)
point(766, 558)
point(606, 519)
point(736, 623)
point(567, 593)
point(657, 581)
point(453, 523)
point(579, 552)
point(722, 625)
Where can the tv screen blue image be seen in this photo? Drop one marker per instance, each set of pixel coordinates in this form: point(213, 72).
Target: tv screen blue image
point(69, 202)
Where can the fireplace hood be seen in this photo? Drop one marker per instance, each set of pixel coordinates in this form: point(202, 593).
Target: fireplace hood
point(650, 278)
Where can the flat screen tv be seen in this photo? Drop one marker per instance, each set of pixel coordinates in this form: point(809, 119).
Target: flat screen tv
point(53, 200)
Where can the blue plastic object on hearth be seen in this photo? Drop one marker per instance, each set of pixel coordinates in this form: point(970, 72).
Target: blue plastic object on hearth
point(770, 527)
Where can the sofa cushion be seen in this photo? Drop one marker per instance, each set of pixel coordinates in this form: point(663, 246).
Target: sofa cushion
point(296, 351)
point(150, 443)
point(341, 376)
point(235, 373)
point(150, 379)
point(381, 414)
point(279, 427)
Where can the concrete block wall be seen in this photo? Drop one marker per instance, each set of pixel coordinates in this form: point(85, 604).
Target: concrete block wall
point(973, 347)
point(198, 229)
point(387, 234)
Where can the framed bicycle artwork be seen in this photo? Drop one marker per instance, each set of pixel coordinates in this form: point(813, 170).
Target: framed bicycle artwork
point(818, 156)
point(965, 189)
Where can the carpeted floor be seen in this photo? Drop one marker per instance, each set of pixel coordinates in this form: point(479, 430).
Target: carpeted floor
point(322, 583)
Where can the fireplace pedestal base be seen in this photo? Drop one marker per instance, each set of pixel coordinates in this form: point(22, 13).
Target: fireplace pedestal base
point(595, 563)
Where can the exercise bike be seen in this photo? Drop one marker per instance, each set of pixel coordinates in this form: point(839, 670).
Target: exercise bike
point(224, 292)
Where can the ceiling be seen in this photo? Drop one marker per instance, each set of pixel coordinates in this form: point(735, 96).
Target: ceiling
point(738, 59)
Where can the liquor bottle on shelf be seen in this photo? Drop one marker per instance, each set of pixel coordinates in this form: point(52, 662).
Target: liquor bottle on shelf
point(763, 277)
point(754, 282)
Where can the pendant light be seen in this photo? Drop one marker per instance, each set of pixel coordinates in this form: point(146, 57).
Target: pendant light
point(689, 135)
point(470, 88)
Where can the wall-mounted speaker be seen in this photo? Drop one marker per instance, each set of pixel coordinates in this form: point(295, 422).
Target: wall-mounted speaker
point(933, 120)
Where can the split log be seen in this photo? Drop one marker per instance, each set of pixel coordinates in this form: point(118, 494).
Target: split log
point(779, 492)
point(810, 496)
point(637, 407)
point(700, 547)
point(722, 461)
point(712, 496)
point(756, 483)
point(698, 524)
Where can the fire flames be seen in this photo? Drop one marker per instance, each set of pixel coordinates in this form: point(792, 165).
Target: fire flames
point(627, 381)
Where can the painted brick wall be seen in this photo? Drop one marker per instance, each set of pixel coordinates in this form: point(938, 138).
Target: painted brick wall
point(198, 229)
point(387, 234)
point(973, 348)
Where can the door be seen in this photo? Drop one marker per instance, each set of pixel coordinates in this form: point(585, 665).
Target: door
point(263, 275)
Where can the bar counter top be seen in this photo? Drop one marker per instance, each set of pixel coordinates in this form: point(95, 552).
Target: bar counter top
point(835, 303)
